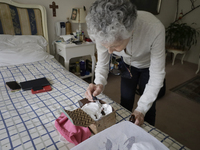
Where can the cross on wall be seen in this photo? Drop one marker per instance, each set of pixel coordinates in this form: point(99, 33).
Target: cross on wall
point(54, 7)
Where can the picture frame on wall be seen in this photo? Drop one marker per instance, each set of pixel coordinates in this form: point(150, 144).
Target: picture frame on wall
point(152, 6)
point(74, 14)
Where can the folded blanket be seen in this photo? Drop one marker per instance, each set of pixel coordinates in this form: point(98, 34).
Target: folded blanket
point(72, 133)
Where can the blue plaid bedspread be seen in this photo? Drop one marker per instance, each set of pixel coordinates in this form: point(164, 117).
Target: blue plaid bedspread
point(27, 120)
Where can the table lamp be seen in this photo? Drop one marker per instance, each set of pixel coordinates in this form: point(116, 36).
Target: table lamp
point(78, 16)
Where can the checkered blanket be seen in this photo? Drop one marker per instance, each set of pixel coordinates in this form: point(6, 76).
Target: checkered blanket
point(27, 120)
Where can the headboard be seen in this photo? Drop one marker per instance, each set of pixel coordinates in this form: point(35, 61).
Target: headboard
point(23, 19)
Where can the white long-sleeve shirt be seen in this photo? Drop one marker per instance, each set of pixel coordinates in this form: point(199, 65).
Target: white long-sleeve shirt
point(148, 51)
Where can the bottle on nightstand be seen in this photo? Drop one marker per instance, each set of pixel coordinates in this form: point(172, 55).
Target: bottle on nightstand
point(77, 68)
point(68, 27)
point(82, 68)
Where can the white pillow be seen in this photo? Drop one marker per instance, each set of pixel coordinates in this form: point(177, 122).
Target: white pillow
point(15, 58)
point(24, 39)
point(11, 54)
point(5, 37)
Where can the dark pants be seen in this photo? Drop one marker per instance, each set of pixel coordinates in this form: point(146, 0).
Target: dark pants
point(140, 77)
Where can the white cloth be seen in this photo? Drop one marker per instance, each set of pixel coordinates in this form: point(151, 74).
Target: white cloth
point(94, 109)
point(122, 136)
point(148, 50)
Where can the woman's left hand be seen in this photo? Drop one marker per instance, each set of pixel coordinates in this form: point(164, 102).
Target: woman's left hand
point(139, 117)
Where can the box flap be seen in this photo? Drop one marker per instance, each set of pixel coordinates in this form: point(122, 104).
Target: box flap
point(84, 101)
point(78, 117)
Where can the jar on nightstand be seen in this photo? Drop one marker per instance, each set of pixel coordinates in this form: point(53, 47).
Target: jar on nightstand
point(77, 68)
point(82, 67)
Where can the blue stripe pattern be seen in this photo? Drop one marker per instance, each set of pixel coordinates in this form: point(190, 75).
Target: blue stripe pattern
point(32, 21)
point(15, 20)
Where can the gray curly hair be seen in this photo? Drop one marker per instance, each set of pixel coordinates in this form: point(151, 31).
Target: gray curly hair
point(111, 20)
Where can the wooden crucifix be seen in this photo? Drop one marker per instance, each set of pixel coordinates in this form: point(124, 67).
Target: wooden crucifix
point(54, 7)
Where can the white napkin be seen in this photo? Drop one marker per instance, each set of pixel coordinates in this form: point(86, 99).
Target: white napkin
point(94, 109)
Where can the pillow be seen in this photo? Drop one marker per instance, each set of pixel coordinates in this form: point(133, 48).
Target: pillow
point(12, 54)
point(24, 39)
point(5, 37)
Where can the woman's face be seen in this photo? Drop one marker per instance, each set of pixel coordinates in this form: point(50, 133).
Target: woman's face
point(116, 46)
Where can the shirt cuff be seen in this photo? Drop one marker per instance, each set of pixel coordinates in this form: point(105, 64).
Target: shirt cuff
point(141, 110)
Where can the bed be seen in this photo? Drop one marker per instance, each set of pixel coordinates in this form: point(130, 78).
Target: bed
point(26, 119)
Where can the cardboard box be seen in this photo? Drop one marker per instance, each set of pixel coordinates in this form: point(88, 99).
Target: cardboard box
point(79, 118)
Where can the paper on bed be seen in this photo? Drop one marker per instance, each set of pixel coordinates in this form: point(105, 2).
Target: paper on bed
point(122, 136)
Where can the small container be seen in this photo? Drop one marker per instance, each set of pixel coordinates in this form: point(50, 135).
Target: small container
point(78, 35)
point(83, 36)
point(77, 68)
point(96, 126)
point(82, 67)
point(116, 66)
point(68, 27)
point(111, 66)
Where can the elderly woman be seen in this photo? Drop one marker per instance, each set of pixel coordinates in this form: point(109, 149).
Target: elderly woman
point(139, 37)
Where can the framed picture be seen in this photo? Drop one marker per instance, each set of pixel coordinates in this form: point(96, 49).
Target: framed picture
point(152, 6)
point(74, 14)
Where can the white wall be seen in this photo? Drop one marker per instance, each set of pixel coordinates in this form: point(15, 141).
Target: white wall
point(64, 11)
point(167, 12)
point(193, 17)
point(167, 15)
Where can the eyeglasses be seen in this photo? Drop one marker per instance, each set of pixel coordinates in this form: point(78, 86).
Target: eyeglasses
point(119, 67)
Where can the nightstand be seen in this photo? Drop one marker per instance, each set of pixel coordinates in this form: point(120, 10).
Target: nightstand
point(68, 51)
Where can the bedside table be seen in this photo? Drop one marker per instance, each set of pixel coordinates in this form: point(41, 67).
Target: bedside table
point(68, 51)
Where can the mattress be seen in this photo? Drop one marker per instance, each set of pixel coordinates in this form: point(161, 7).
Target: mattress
point(27, 120)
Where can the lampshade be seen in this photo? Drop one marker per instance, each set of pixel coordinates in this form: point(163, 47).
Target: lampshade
point(78, 15)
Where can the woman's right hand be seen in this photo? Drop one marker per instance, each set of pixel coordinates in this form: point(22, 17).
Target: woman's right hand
point(93, 90)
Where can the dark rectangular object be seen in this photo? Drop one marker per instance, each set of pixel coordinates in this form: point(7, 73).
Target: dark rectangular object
point(152, 6)
point(77, 42)
point(33, 84)
point(13, 85)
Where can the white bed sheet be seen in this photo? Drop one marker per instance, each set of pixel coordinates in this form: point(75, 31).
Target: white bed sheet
point(27, 120)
